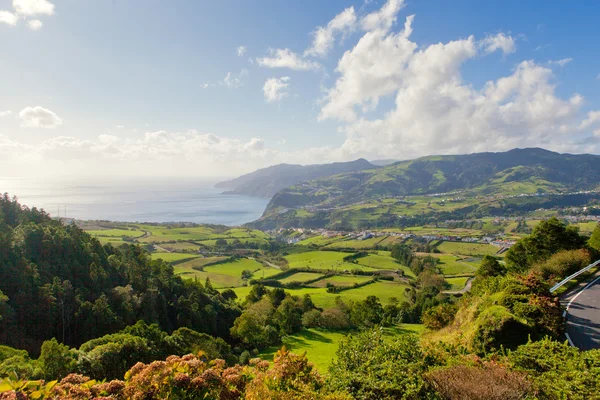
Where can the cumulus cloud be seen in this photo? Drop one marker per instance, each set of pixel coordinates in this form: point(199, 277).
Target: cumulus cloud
point(276, 89)
point(34, 24)
point(39, 117)
point(285, 58)
point(241, 50)
point(499, 42)
point(6, 113)
point(434, 110)
point(593, 118)
point(33, 7)
point(561, 63)
point(324, 37)
point(384, 18)
point(6, 17)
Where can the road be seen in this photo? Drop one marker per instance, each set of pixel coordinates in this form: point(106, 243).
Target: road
point(583, 315)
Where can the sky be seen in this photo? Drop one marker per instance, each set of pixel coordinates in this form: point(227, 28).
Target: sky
point(220, 88)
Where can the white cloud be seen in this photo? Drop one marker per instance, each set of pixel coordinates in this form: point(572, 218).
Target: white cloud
point(276, 89)
point(372, 69)
point(34, 24)
point(235, 81)
point(6, 113)
point(33, 7)
point(231, 80)
point(434, 110)
point(285, 58)
point(593, 117)
point(241, 50)
point(499, 42)
point(384, 18)
point(39, 117)
point(324, 37)
point(6, 17)
point(561, 63)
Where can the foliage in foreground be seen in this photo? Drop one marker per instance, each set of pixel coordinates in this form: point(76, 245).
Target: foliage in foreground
point(189, 377)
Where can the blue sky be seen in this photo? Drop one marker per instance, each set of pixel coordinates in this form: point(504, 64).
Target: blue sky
point(155, 87)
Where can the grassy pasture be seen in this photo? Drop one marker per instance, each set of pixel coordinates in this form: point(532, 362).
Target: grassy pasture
point(115, 232)
point(356, 244)
point(341, 280)
point(181, 246)
point(234, 268)
point(173, 256)
point(457, 283)
point(384, 262)
point(383, 289)
point(316, 259)
point(300, 277)
point(321, 346)
point(467, 249)
point(455, 265)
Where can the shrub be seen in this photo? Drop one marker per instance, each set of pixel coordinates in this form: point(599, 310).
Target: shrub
point(312, 319)
point(565, 263)
point(335, 319)
point(369, 367)
point(487, 382)
point(439, 316)
point(496, 327)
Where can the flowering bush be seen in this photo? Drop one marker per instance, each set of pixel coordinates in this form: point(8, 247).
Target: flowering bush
point(187, 377)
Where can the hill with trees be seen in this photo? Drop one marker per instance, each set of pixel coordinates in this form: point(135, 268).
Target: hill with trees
point(474, 184)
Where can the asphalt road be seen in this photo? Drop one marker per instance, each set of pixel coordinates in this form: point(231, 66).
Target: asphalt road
point(583, 316)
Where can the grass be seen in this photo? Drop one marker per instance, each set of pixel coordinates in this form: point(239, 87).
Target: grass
point(321, 346)
point(380, 261)
point(383, 289)
point(173, 256)
point(457, 283)
point(316, 259)
point(235, 268)
point(115, 232)
point(455, 265)
point(300, 277)
point(467, 249)
point(341, 280)
point(179, 246)
point(356, 244)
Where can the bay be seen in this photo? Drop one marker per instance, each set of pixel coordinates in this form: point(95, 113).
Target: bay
point(136, 200)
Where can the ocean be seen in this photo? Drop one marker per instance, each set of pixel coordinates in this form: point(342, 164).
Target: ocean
point(136, 200)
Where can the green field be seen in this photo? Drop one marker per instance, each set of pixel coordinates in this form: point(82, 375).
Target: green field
point(321, 346)
point(115, 232)
point(341, 280)
point(181, 246)
point(456, 265)
point(234, 268)
point(173, 256)
point(383, 289)
point(380, 261)
point(457, 283)
point(300, 277)
point(467, 249)
point(356, 244)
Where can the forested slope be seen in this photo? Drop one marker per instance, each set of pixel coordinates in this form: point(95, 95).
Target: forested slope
point(58, 281)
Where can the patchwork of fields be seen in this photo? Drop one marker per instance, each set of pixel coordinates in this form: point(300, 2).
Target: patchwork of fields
point(189, 248)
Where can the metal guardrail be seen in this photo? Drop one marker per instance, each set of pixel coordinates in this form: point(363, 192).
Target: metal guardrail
point(575, 275)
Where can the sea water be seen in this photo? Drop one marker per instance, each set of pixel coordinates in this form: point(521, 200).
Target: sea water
point(135, 200)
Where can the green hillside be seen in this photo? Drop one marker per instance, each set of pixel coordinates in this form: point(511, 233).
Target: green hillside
point(438, 187)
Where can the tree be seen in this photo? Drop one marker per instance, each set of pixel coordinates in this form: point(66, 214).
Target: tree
point(549, 237)
point(594, 241)
point(490, 267)
point(56, 359)
point(246, 274)
point(220, 242)
point(289, 315)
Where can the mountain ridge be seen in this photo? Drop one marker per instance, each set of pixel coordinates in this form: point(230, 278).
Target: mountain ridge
point(514, 172)
point(265, 182)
